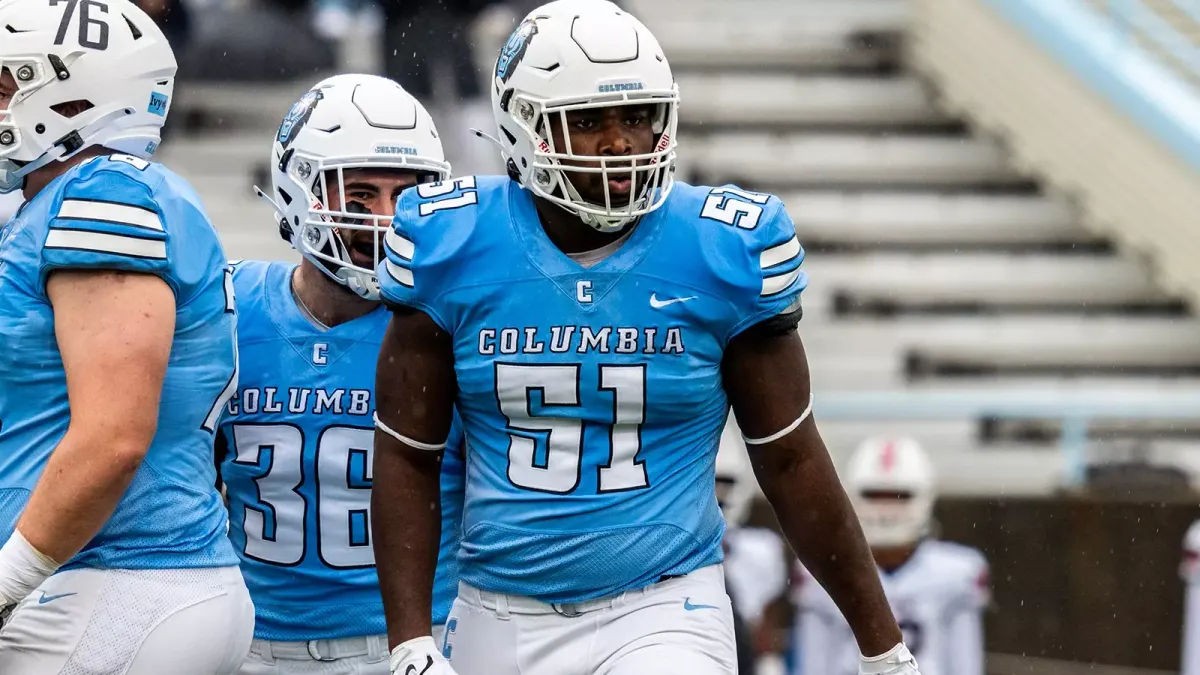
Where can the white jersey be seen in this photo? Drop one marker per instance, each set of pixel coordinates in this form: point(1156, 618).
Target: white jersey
point(1189, 570)
point(938, 598)
point(756, 570)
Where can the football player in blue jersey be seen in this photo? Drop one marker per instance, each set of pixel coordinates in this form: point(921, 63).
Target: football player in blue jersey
point(117, 354)
point(593, 321)
point(296, 441)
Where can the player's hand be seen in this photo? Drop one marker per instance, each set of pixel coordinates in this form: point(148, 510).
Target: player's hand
point(897, 661)
point(419, 656)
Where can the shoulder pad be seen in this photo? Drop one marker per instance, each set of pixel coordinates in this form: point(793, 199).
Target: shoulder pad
point(764, 263)
point(433, 222)
point(106, 215)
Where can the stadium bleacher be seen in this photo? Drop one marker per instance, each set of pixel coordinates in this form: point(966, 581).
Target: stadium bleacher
point(936, 263)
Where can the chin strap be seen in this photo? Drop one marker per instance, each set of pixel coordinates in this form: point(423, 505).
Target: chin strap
point(358, 283)
point(62, 149)
point(278, 209)
point(285, 228)
point(495, 141)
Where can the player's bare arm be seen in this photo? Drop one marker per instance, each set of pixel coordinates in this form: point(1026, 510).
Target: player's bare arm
point(767, 380)
point(415, 388)
point(114, 330)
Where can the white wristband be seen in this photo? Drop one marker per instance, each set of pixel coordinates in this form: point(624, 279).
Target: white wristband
point(22, 569)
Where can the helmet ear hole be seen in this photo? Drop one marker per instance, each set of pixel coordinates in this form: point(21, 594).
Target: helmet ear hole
point(133, 30)
point(69, 109)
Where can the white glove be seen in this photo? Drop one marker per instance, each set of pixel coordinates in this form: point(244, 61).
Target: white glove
point(419, 656)
point(896, 661)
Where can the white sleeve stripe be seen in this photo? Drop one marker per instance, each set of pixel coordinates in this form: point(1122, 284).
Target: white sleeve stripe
point(777, 255)
point(399, 245)
point(103, 242)
point(402, 275)
point(110, 212)
point(776, 284)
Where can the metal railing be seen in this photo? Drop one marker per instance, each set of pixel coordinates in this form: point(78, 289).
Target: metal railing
point(1075, 412)
point(1162, 27)
point(1129, 53)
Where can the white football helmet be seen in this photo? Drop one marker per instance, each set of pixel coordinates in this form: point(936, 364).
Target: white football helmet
point(736, 485)
point(892, 486)
point(346, 122)
point(108, 53)
point(573, 55)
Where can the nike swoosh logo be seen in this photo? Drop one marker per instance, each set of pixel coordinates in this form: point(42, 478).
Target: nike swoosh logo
point(659, 304)
point(411, 669)
point(51, 598)
point(688, 606)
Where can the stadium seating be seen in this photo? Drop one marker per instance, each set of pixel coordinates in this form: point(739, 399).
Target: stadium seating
point(772, 98)
point(772, 33)
point(936, 263)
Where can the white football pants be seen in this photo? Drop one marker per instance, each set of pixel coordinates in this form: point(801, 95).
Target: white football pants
point(347, 656)
point(131, 622)
point(681, 626)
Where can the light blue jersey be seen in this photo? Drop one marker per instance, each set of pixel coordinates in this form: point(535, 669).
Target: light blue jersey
point(299, 442)
point(121, 213)
point(454, 470)
point(591, 397)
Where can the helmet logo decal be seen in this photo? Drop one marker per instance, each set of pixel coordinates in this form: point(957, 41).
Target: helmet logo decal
point(297, 116)
point(514, 50)
point(887, 459)
point(158, 104)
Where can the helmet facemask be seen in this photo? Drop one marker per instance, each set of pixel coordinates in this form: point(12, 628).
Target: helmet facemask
point(651, 174)
point(892, 517)
point(343, 153)
point(29, 75)
point(81, 80)
point(892, 485)
point(347, 242)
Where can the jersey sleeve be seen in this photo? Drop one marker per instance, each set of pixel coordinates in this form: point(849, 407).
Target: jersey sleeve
point(979, 592)
point(453, 485)
point(774, 258)
point(407, 274)
point(107, 220)
point(453, 476)
point(971, 587)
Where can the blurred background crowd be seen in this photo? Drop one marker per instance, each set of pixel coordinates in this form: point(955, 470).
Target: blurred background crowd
point(998, 199)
